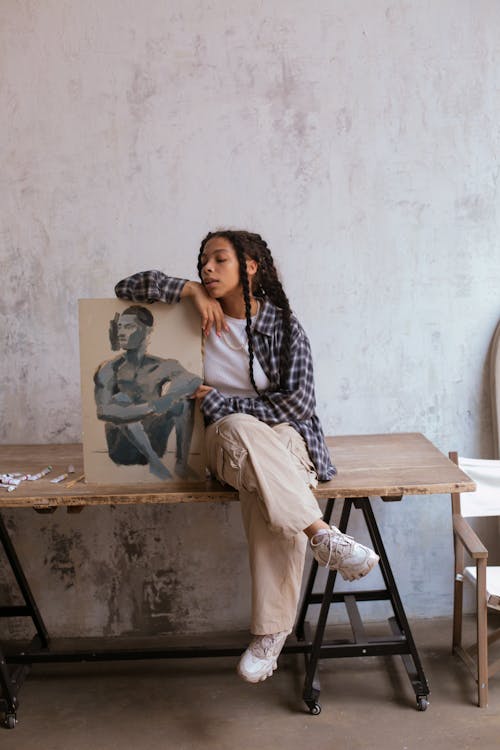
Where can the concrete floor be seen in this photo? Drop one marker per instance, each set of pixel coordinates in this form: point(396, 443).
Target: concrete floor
point(189, 704)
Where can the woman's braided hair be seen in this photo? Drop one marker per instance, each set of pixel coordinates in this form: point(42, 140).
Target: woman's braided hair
point(266, 285)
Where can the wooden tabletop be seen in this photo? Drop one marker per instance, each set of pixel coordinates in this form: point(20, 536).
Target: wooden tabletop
point(387, 466)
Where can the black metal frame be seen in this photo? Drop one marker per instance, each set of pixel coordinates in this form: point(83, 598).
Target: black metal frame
point(11, 680)
point(314, 648)
point(401, 643)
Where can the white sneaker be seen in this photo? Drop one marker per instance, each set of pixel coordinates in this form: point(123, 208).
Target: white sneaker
point(340, 552)
point(261, 657)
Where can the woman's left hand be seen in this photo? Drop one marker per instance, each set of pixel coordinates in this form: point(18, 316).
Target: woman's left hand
point(201, 392)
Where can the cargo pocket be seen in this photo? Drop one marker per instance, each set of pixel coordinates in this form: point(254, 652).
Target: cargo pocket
point(296, 444)
point(230, 462)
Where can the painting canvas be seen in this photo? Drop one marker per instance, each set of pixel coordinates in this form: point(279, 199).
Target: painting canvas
point(139, 364)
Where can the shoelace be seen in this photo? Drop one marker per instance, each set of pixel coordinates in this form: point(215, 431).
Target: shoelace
point(334, 540)
point(263, 647)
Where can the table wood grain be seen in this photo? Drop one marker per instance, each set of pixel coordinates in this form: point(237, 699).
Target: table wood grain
point(383, 465)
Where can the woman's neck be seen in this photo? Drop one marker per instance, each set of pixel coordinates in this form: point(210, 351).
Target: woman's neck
point(234, 307)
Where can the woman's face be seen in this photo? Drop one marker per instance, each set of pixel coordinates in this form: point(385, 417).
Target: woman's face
point(220, 269)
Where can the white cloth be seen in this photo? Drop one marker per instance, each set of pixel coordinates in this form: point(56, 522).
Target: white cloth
point(226, 362)
point(485, 501)
point(492, 583)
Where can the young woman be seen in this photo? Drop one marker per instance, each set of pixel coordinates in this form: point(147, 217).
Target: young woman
point(263, 436)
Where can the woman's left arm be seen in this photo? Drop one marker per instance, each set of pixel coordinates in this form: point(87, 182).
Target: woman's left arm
point(296, 402)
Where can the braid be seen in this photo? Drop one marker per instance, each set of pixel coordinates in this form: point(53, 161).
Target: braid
point(266, 285)
point(248, 311)
point(277, 295)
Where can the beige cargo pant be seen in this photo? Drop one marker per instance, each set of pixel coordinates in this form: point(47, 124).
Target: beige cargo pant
point(271, 469)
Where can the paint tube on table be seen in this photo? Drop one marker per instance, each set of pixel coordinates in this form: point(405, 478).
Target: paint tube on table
point(32, 477)
point(9, 479)
point(58, 479)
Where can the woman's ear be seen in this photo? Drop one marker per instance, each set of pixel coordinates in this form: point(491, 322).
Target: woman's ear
point(252, 267)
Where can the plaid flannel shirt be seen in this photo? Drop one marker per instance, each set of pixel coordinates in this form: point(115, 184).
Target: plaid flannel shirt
point(295, 404)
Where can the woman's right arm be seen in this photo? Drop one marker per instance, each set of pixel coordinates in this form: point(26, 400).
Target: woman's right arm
point(150, 286)
point(155, 286)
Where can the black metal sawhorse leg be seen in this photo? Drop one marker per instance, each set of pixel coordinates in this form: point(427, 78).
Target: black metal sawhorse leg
point(12, 679)
point(401, 643)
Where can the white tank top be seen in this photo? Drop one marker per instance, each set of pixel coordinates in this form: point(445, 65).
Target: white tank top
point(227, 364)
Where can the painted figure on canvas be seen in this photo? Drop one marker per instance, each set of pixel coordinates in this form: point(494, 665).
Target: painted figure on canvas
point(141, 398)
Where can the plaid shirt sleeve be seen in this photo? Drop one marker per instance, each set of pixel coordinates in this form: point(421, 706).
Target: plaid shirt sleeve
point(296, 403)
point(150, 286)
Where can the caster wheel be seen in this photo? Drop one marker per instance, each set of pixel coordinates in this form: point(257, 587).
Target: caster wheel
point(315, 709)
point(10, 721)
point(422, 703)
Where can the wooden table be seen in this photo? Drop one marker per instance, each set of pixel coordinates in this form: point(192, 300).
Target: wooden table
point(368, 465)
point(384, 466)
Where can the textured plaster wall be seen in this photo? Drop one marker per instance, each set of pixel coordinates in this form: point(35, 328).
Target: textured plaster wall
point(360, 138)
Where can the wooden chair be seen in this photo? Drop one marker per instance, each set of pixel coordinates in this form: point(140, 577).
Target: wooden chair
point(485, 502)
point(495, 389)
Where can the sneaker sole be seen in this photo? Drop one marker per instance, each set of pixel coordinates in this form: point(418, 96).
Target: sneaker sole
point(259, 677)
point(368, 566)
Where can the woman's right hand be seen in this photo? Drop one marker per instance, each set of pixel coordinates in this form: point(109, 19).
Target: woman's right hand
point(210, 309)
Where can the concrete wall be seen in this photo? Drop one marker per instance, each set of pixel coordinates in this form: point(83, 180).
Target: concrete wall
point(360, 138)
